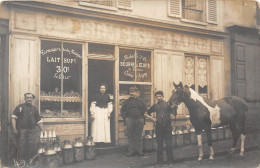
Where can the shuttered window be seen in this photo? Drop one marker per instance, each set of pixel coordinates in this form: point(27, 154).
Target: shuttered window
point(195, 10)
point(174, 8)
point(212, 16)
point(125, 4)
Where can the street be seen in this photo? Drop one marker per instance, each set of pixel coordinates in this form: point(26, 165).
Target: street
point(251, 160)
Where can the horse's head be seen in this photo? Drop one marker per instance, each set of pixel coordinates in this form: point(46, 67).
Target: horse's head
point(179, 94)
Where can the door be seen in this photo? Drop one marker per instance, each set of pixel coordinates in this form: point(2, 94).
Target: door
point(102, 71)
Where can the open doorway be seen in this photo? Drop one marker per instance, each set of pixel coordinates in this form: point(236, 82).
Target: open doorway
point(102, 71)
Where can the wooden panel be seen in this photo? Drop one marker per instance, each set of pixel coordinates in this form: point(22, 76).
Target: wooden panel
point(66, 130)
point(217, 78)
point(24, 69)
point(168, 68)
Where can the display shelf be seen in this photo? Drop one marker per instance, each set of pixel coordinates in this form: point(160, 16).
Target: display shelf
point(59, 99)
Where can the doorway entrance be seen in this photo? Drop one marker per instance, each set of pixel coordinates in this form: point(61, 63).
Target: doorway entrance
point(102, 71)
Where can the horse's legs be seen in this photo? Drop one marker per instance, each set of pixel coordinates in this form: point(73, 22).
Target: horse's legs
point(235, 135)
point(209, 138)
point(199, 137)
point(243, 137)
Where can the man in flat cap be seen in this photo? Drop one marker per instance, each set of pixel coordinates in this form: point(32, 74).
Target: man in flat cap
point(25, 118)
point(163, 126)
point(132, 112)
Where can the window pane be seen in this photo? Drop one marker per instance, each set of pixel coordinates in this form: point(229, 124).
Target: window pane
point(50, 79)
point(202, 77)
point(143, 90)
point(143, 69)
point(72, 65)
point(189, 72)
point(126, 65)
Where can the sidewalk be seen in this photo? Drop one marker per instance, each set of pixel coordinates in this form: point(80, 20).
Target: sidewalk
point(185, 153)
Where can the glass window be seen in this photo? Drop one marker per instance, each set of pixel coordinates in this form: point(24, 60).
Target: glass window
point(196, 67)
point(135, 70)
point(61, 79)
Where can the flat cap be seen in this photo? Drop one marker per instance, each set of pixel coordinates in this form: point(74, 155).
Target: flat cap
point(133, 89)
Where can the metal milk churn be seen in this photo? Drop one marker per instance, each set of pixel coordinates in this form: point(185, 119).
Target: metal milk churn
point(90, 148)
point(154, 141)
point(228, 133)
point(214, 134)
point(193, 136)
point(173, 138)
point(50, 157)
point(57, 149)
point(67, 152)
point(78, 149)
point(41, 152)
point(147, 141)
point(220, 133)
point(186, 136)
point(179, 137)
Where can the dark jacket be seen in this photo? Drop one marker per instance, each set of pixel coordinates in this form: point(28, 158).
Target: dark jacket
point(133, 108)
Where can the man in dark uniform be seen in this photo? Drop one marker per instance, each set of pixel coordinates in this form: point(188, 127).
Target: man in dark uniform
point(132, 112)
point(163, 127)
point(25, 118)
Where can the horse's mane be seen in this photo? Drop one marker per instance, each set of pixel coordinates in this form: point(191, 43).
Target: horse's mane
point(196, 97)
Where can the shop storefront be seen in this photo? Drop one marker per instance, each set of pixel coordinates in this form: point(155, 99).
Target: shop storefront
point(64, 58)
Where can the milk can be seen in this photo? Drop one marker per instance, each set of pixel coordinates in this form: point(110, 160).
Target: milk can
point(193, 136)
point(57, 149)
point(214, 134)
point(40, 152)
point(67, 151)
point(173, 138)
point(147, 141)
point(78, 149)
point(204, 136)
point(220, 133)
point(90, 149)
point(50, 157)
point(186, 136)
point(228, 133)
point(179, 137)
point(154, 141)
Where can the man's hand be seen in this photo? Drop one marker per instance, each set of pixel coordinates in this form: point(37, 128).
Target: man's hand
point(150, 117)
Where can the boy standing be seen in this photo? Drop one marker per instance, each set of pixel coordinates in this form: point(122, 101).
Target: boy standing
point(163, 127)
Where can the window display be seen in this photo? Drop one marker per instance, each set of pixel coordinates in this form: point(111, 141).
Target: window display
point(134, 70)
point(61, 79)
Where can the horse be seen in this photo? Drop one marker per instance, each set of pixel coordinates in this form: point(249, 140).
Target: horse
point(229, 111)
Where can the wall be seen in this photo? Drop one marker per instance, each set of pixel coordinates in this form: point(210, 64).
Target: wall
point(239, 12)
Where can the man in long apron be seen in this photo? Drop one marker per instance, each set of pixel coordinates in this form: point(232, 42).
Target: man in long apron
point(25, 118)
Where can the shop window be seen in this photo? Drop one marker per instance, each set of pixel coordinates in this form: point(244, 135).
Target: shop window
point(196, 74)
point(135, 70)
point(61, 80)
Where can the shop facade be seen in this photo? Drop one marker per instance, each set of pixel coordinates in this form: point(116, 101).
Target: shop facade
point(62, 57)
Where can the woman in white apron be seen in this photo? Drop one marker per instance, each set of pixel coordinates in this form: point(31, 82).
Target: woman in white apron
point(101, 109)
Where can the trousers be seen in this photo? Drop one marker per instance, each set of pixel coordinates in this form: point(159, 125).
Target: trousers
point(28, 141)
point(134, 129)
point(164, 133)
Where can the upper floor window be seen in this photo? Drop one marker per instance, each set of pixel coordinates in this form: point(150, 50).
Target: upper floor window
point(194, 10)
point(107, 4)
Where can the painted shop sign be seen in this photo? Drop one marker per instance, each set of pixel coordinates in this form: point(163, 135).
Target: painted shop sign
point(134, 65)
point(70, 27)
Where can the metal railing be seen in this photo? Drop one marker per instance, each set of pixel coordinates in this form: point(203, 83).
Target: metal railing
point(192, 14)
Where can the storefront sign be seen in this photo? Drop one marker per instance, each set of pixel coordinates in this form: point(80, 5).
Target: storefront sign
point(135, 66)
point(86, 29)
